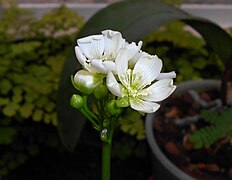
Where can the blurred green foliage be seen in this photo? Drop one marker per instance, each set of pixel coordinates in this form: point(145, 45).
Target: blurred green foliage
point(184, 50)
point(32, 52)
point(132, 123)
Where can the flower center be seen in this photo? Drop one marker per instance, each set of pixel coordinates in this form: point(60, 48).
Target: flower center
point(131, 83)
point(132, 86)
point(109, 57)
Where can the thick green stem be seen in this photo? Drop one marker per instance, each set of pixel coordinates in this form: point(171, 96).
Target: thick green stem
point(106, 149)
point(106, 156)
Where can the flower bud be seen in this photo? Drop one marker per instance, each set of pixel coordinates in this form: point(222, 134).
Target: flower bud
point(86, 82)
point(101, 92)
point(76, 101)
point(113, 108)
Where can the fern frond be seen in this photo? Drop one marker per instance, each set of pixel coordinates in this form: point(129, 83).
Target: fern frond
point(205, 137)
point(222, 117)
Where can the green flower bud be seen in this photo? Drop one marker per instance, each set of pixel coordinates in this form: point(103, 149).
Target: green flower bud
point(77, 101)
point(113, 108)
point(101, 92)
point(85, 82)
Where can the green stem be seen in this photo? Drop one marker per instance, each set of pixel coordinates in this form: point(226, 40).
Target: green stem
point(85, 98)
point(106, 150)
point(90, 119)
point(106, 156)
point(101, 113)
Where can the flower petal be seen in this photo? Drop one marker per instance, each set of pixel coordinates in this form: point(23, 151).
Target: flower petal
point(143, 106)
point(147, 69)
point(133, 60)
point(103, 67)
point(92, 46)
point(113, 85)
point(83, 61)
point(113, 41)
point(121, 62)
point(80, 57)
point(110, 66)
point(133, 49)
point(159, 91)
point(169, 75)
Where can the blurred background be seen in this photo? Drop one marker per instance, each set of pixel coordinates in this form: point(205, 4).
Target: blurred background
point(36, 37)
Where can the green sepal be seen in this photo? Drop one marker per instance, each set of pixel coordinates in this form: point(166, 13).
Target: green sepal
point(123, 101)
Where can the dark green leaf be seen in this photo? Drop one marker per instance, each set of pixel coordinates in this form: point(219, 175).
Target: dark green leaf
point(70, 120)
point(136, 18)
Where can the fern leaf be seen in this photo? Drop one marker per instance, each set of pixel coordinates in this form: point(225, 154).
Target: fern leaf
point(222, 117)
point(205, 137)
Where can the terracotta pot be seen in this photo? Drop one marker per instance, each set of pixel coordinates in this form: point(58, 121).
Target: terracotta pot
point(162, 166)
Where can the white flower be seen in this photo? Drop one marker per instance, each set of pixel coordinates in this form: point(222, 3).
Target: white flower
point(97, 53)
point(137, 87)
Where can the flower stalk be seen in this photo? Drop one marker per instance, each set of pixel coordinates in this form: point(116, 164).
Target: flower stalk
point(106, 156)
point(107, 146)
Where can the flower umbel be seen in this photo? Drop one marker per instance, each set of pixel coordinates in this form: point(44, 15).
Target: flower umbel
point(119, 77)
point(97, 53)
point(137, 86)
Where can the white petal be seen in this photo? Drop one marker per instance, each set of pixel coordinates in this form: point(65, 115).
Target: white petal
point(103, 67)
point(143, 106)
point(113, 85)
point(80, 57)
point(110, 66)
point(92, 46)
point(133, 60)
point(169, 75)
point(110, 33)
point(121, 62)
point(82, 60)
point(148, 69)
point(113, 41)
point(159, 91)
point(133, 49)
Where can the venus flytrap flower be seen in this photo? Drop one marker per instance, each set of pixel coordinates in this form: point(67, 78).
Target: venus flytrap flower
point(134, 78)
point(97, 53)
point(137, 87)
